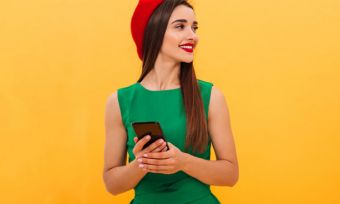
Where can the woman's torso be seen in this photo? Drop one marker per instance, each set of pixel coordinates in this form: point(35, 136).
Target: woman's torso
point(139, 104)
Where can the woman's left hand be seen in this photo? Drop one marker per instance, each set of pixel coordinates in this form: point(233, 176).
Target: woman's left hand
point(168, 162)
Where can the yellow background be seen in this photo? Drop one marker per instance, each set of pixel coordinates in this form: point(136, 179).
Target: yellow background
point(277, 63)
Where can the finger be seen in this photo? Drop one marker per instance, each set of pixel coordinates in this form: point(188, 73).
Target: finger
point(153, 146)
point(164, 149)
point(159, 148)
point(142, 142)
point(151, 167)
point(158, 155)
point(157, 162)
point(155, 150)
point(135, 139)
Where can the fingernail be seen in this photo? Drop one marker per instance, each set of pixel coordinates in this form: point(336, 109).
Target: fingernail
point(160, 141)
point(147, 137)
point(145, 155)
point(141, 165)
point(139, 160)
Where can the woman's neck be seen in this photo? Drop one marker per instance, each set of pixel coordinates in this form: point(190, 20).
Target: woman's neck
point(163, 77)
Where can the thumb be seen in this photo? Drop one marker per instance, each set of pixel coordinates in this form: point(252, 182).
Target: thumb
point(170, 145)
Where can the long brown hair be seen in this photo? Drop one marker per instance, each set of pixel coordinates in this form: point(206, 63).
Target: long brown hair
point(197, 128)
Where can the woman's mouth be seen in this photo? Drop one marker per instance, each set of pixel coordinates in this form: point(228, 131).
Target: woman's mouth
point(187, 48)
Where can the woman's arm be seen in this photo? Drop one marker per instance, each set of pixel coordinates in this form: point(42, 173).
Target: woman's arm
point(117, 176)
point(123, 178)
point(218, 173)
point(223, 171)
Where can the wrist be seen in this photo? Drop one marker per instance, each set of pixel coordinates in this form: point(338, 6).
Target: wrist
point(135, 165)
point(186, 159)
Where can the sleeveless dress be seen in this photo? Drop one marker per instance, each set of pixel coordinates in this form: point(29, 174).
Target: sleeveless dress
point(138, 104)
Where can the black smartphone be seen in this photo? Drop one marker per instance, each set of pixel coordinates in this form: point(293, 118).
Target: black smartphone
point(152, 128)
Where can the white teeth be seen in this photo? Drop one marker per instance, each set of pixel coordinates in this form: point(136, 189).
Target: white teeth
point(187, 47)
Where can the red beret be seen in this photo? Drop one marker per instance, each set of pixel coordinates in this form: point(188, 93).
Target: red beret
point(140, 19)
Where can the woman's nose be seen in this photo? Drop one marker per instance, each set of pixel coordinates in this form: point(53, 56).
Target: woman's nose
point(192, 35)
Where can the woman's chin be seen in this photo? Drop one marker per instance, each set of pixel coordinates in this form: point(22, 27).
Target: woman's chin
point(187, 60)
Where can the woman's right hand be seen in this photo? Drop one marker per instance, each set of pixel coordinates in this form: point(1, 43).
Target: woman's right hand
point(154, 147)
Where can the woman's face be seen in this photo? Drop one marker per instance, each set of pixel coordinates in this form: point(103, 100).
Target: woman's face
point(181, 30)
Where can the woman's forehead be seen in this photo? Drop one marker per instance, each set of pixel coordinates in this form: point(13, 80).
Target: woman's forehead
point(183, 12)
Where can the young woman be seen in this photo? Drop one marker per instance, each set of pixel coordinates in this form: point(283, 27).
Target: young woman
point(193, 114)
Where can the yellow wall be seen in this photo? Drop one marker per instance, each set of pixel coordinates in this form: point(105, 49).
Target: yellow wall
point(277, 62)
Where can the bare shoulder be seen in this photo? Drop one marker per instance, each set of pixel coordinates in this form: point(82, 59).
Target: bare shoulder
point(112, 99)
point(217, 101)
point(112, 103)
point(112, 112)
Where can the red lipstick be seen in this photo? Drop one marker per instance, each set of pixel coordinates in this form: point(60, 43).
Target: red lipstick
point(188, 47)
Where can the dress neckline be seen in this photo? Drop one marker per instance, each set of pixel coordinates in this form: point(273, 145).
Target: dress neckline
point(158, 91)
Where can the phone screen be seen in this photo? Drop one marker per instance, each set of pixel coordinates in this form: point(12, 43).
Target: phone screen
point(152, 128)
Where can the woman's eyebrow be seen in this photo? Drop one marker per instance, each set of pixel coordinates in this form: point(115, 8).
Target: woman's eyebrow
point(184, 21)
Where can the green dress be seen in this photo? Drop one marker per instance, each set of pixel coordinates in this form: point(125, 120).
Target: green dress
point(139, 104)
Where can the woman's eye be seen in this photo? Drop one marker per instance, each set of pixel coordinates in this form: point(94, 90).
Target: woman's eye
point(180, 26)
